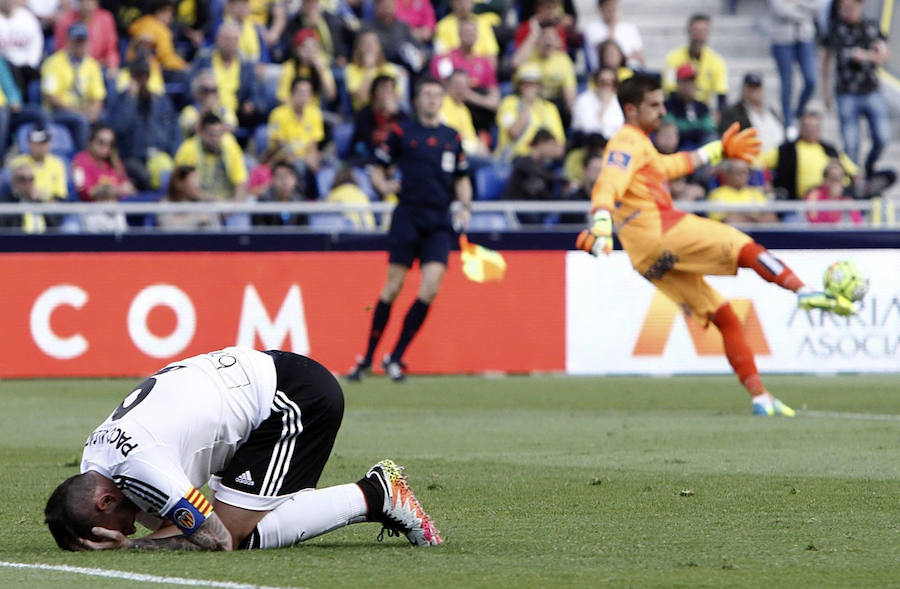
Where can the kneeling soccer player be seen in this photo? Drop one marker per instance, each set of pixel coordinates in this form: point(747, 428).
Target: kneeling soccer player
point(258, 427)
point(673, 249)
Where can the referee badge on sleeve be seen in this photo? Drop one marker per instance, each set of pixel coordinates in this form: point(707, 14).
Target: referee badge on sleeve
point(448, 161)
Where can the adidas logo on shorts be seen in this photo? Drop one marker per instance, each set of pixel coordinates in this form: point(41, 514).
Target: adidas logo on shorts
point(245, 479)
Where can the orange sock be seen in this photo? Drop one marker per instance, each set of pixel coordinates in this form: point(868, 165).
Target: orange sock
point(772, 269)
point(739, 354)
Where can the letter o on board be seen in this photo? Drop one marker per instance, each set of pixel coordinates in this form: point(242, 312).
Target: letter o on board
point(185, 320)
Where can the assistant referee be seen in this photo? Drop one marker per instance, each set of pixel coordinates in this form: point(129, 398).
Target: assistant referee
point(434, 170)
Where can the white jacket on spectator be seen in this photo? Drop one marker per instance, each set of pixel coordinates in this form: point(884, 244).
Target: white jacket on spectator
point(21, 38)
point(588, 118)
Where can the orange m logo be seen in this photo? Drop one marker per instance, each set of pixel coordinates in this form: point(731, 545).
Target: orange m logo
point(707, 341)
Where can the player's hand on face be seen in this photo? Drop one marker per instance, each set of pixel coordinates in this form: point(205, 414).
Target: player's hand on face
point(110, 540)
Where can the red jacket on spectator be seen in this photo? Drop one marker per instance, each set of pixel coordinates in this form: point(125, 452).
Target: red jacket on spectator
point(103, 40)
point(88, 172)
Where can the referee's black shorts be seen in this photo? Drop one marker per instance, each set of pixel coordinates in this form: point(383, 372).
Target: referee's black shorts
point(419, 233)
point(288, 451)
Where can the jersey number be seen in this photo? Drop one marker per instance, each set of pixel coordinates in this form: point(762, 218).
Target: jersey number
point(139, 394)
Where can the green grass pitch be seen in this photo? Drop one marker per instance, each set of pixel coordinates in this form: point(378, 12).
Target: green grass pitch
point(538, 481)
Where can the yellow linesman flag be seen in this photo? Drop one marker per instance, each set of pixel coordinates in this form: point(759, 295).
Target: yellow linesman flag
point(479, 263)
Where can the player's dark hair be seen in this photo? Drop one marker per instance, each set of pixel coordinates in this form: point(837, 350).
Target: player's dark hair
point(698, 16)
point(67, 513)
point(633, 90)
point(300, 79)
point(210, 118)
point(378, 81)
point(426, 81)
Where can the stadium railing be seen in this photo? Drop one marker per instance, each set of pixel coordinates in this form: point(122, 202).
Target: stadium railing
point(487, 215)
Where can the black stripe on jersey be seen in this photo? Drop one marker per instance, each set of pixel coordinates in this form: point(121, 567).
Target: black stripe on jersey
point(155, 498)
point(284, 450)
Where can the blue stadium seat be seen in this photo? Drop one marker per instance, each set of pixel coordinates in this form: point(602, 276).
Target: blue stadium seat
point(488, 222)
point(261, 139)
point(490, 181)
point(324, 179)
point(343, 135)
point(330, 221)
point(61, 142)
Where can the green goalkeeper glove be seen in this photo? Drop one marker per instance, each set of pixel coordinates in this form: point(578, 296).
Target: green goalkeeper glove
point(599, 237)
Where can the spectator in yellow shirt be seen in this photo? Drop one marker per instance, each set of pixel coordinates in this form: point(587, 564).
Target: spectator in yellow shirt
point(72, 86)
point(712, 75)
point(309, 61)
point(446, 32)
point(521, 115)
point(541, 49)
point(50, 181)
point(157, 24)
point(218, 159)
point(271, 15)
point(296, 128)
point(238, 12)
point(736, 189)
point(455, 114)
point(369, 63)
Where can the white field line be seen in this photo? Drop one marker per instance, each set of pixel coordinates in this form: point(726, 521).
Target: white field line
point(841, 415)
point(132, 576)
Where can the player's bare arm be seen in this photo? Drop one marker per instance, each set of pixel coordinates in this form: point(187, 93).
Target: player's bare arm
point(212, 535)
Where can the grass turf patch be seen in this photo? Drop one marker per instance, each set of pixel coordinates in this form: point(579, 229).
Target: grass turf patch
point(539, 481)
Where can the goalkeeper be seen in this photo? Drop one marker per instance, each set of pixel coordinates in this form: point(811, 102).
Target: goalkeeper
point(673, 249)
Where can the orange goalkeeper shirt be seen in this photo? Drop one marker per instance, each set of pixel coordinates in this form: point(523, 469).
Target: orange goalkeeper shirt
point(634, 186)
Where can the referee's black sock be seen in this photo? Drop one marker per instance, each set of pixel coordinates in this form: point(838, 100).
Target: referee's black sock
point(379, 321)
point(411, 324)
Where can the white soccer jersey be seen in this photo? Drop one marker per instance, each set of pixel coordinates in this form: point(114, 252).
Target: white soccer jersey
point(180, 426)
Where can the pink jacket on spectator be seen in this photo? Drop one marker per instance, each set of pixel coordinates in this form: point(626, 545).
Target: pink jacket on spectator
point(821, 193)
point(103, 41)
point(418, 14)
point(482, 73)
point(88, 172)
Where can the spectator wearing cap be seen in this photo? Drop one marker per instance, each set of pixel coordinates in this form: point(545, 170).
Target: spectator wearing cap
point(736, 189)
point(50, 179)
point(145, 126)
point(235, 78)
point(711, 73)
point(157, 24)
point(793, 33)
point(483, 96)
point(523, 114)
point(611, 27)
point(72, 86)
point(751, 111)
point(597, 109)
point(238, 12)
point(446, 32)
point(373, 122)
point(692, 117)
point(218, 159)
point(308, 61)
point(455, 114)
point(296, 129)
point(205, 94)
point(21, 188)
point(332, 33)
point(21, 42)
point(558, 83)
point(97, 172)
point(13, 112)
point(103, 39)
point(419, 15)
point(368, 63)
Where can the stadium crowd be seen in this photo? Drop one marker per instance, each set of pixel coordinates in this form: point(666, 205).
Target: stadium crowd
point(287, 100)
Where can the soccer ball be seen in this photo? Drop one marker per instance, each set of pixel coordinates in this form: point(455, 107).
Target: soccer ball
point(844, 278)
